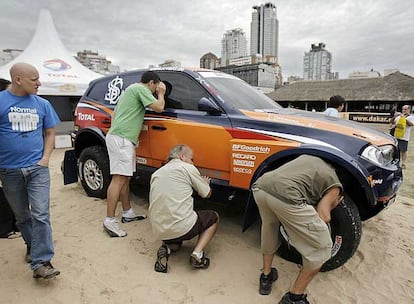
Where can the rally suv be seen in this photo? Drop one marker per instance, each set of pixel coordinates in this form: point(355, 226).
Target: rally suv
point(237, 134)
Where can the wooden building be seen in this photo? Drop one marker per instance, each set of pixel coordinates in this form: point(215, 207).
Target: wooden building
point(377, 95)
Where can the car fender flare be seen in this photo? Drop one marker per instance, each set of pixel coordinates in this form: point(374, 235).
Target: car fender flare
point(335, 156)
point(89, 136)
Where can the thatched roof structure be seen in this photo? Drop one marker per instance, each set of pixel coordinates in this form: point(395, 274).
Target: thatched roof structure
point(394, 87)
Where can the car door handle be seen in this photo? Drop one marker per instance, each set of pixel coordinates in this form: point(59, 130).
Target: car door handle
point(160, 128)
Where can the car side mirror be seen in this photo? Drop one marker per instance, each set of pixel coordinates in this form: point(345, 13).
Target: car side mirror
point(205, 104)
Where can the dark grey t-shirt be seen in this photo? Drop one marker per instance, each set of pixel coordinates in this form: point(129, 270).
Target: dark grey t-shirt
point(303, 180)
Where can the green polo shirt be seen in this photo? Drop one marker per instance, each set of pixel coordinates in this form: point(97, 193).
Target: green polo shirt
point(129, 113)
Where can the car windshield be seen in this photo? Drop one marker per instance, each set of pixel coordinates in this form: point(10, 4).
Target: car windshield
point(239, 93)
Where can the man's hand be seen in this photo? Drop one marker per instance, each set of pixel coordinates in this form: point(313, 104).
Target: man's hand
point(160, 89)
point(206, 179)
point(43, 162)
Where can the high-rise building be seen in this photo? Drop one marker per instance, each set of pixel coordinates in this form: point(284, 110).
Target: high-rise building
point(317, 64)
point(264, 31)
point(233, 45)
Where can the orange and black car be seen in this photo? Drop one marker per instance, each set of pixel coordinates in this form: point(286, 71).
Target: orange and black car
point(237, 134)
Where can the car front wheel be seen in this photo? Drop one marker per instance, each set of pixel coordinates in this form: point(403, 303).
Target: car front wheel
point(345, 229)
point(93, 171)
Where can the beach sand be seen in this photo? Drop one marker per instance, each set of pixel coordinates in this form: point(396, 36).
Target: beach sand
point(98, 269)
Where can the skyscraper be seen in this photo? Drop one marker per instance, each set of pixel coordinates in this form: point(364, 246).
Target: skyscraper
point(264, 31)
point(233, 45)
point(317, 63)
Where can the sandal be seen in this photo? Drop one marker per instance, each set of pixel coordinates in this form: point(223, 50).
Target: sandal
point(11, 235)
point(199, 263)
point(161, 265)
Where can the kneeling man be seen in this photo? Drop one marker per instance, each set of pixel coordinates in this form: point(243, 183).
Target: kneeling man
point(171, 209)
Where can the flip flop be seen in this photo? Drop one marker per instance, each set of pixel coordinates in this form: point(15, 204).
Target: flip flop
point(161, 265)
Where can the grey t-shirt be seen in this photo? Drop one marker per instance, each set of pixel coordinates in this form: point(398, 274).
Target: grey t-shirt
point(303, 180)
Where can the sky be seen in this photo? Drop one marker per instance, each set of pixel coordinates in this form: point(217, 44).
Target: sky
point(361, 34)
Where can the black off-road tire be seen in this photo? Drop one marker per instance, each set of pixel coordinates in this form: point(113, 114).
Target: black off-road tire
point(346, 229)
point(93, 170)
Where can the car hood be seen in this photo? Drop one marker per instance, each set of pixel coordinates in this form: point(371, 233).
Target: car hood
point(299, 121)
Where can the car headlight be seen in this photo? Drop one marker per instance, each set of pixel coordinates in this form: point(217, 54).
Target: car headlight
point(381, 156)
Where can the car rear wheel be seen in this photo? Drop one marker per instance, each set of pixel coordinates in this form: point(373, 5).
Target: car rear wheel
point(346, 230)
point(94, 173)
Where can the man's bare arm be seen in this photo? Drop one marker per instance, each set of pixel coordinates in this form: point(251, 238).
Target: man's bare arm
point(328, 202)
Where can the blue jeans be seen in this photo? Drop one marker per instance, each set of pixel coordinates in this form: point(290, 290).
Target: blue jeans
point(27, 190)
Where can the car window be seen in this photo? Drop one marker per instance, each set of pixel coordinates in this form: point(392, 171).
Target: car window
point(184, 93)
point(239, 93)
point(108, 90)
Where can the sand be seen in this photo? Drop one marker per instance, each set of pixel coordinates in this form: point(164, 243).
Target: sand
point(98, 269)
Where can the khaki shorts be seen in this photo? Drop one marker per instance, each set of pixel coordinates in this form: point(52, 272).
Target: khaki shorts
point(305, 229)
point(121, 155)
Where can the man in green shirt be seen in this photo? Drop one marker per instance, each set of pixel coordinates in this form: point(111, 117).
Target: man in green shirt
point(121, 142)
point(299, 195)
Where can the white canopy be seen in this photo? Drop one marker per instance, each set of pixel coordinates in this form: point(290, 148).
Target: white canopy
point(60, 73)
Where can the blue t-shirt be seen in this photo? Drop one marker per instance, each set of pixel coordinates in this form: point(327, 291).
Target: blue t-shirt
point(22, 121)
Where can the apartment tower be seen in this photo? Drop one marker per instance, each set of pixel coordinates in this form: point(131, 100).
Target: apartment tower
point(233, 45)
point(264, 31)
point(317, 63)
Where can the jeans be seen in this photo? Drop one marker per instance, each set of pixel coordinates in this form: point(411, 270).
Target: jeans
point(27, 190)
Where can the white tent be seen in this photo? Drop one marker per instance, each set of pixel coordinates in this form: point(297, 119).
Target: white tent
point(60, 73)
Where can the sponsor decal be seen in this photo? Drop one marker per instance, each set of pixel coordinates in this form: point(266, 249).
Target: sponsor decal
point(337, 245)
point(67, 88)
point(56, 65)
point(370, 117)
point(114, 90)
point(142, 161)
point(377, 181)
point(82, 116)
point(242, 162)
point(371, 181)
point(247, 148)
point(244, 156)
point(242, 170)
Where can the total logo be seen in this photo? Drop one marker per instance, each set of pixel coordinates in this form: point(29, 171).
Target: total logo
point(90, 117)
point(56, 65)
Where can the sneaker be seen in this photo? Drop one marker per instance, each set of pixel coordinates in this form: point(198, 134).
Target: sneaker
point(28, 257)
point(196, 262)
point(132, 216)
point(112, 228)
point(266, 281)
point(46, 271)
point(287, 300)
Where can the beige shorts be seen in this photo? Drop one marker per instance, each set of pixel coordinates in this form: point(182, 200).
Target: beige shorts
point(122, 155)
point(305, 229)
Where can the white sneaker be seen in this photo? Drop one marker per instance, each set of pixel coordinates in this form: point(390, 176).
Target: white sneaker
point(131, 216)
point(112, 228)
